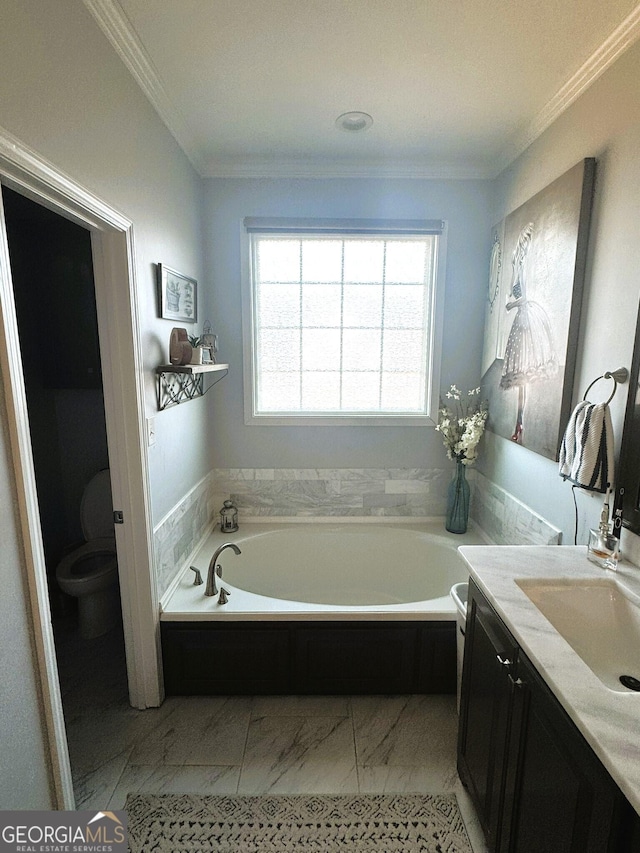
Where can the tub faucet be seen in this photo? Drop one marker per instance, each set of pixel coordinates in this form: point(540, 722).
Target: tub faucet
point(216, 569)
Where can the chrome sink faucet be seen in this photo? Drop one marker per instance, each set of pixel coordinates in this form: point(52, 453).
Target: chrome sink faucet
point(216, 569)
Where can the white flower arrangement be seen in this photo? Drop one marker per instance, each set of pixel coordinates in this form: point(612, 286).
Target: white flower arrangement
point(462, 424)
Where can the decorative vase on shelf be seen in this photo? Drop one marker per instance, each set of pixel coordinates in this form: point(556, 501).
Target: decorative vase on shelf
point(458, 498)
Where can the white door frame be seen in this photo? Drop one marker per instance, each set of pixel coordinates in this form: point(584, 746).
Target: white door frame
point(122, 374)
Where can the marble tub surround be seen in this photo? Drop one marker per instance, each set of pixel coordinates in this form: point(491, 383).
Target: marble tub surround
point(608, 719)
point(506, 520)
point(325, 493)
point(291, 492)
point(182, 529)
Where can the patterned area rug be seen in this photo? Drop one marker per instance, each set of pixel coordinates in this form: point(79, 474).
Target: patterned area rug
point(383, 823)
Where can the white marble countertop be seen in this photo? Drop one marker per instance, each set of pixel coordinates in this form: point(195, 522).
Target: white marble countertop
point(608, 719)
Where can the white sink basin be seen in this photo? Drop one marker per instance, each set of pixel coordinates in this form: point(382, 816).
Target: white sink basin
point(599, 619)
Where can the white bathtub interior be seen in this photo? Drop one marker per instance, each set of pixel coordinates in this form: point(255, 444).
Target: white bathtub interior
point(399, 570)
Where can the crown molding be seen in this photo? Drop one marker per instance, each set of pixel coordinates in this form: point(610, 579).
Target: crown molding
point(317, 168)
point(118, 29)
point(623, 37)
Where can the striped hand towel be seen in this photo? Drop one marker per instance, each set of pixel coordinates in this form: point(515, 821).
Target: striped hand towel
point(586, 452)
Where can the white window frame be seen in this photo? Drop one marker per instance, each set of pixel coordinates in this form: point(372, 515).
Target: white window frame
point(366, 227)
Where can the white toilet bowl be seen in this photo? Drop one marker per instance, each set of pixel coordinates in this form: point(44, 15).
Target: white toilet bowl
point(90, 573)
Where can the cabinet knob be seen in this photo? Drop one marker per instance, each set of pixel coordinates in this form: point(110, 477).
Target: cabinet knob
point(503, 661)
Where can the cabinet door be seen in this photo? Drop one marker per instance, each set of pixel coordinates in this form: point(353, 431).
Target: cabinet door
point(485, 712)
point(559, 798)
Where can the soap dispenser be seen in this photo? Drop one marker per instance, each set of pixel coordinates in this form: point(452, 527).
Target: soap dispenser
point(603, 545)
point(228, 517)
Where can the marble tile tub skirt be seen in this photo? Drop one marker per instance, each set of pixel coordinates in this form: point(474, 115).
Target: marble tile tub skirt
point(331, 824)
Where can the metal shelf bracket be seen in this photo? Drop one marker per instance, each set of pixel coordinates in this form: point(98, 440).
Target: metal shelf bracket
point(178, 385)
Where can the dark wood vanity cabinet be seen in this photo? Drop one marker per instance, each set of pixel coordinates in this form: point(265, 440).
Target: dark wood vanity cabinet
point(485, 712)
point(536, 783)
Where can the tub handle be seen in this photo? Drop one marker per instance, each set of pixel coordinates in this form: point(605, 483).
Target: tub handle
point(198, 578)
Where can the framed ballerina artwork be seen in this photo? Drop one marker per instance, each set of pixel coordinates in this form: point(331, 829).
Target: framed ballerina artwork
point(534, 296)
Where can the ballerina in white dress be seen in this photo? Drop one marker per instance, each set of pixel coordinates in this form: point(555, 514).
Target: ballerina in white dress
point(529, 353)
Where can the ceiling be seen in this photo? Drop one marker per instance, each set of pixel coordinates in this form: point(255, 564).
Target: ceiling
point(456, 88)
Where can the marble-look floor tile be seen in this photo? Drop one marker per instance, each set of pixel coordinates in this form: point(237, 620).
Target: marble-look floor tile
point(94, 790)
point(417, 731)
point(397, 705)
point(433, 778)
point(249, 745)
point(96, 735)
point(299, 755)
point(300, 706)
point(199, 730)
point(168, 779)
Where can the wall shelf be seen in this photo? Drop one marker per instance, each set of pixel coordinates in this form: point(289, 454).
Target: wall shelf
point(178, 383)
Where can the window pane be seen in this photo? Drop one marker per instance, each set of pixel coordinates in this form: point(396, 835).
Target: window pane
point(403, 392)
point(278, 260)
point(341, 323)
point(279, 392)
point(279, 305)
point(321, 391)
point(279, 349)
point(406, 261)
point(322, 260)
point(363, 260)
point(320, 349)
point(403, 350)
point(362, 305)
point(360, 392)
point(321, 305)
point(404, 306)
point(361, 349)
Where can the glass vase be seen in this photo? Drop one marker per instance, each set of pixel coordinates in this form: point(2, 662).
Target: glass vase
point(458, 499)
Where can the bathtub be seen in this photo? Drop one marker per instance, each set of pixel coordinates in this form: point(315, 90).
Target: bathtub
point(324, 570)
point(331, 607)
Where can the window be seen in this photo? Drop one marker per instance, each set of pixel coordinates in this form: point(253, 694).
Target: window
point(342, 321)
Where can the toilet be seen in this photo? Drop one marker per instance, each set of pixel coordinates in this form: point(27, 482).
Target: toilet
point(90, 572)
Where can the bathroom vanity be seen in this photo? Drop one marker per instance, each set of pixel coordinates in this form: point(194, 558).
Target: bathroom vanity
point(548, 745)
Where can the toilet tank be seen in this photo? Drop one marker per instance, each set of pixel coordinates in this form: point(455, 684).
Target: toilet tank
point(96, 507)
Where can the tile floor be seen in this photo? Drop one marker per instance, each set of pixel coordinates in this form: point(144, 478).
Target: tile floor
point(248, 745)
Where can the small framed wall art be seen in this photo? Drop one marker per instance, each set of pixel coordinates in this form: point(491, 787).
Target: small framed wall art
point(178, 295)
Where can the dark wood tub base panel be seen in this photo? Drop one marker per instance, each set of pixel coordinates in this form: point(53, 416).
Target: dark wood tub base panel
point(328, 658)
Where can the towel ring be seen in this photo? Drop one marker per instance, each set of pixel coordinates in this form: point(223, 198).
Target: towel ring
point(619, 375)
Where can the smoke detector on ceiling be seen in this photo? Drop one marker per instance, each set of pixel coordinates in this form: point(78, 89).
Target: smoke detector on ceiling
point(354, 122)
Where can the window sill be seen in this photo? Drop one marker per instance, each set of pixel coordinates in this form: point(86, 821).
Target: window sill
point(322, 420)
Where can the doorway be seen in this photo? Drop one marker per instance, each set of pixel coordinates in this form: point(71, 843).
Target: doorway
point(112, 244)
point(54, 293)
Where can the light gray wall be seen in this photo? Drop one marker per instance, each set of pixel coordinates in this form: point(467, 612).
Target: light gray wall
point(604, 123)
point(66, 94)
point(24, 780)
point(465, 206)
